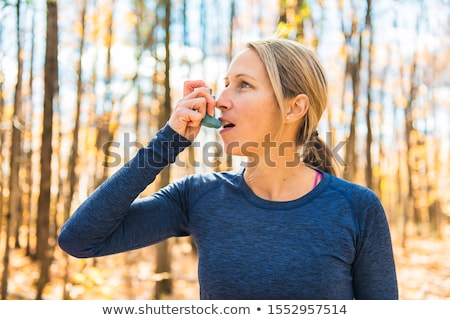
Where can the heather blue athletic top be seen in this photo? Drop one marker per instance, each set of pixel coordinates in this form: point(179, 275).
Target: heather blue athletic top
point(332, 243)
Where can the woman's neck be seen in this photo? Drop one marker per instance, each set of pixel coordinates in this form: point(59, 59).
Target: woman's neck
point(279, 182)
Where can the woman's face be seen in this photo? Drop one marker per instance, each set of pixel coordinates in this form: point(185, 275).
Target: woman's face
point(250, 113)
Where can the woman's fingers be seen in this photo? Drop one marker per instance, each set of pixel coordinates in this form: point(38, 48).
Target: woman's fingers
point(191, 109)
point(187, 115)
point(190, 86)
point(200, 87)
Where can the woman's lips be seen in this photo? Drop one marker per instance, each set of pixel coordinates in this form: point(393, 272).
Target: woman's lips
point(226, 125)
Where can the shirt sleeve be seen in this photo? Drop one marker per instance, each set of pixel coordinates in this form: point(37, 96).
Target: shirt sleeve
point(113, 220)
point(374, 274)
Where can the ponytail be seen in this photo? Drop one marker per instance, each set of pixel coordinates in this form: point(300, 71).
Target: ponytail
point(317, 155)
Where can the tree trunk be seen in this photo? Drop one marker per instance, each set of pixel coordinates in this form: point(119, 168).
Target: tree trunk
point(369, 136)
point(2, 133)
point(409, 131)
point(164, 285)
point(352, 72)
point(16, 141)
point(2, 138)
point(16, 146)
point(105, 132)
point(31, 217)
point(44, 250)
point(73, 158)
point(385, 172)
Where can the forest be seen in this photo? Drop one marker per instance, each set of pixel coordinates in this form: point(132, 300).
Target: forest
point(85, 83)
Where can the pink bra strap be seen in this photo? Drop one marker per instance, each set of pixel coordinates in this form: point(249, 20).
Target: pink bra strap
point(316, 180)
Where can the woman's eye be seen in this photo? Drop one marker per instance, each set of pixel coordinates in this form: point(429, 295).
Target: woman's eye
point(245, 84)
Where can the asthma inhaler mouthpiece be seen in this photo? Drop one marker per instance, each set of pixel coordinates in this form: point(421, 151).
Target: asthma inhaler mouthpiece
point(209, 121)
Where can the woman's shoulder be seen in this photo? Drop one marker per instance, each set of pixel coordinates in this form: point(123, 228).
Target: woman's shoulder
point(210, 179)
point(199, 182)
point(352, 191)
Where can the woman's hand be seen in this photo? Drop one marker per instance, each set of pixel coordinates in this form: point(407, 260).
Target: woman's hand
point(191, 109)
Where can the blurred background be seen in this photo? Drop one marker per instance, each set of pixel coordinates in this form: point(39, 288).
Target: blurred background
point(85, 83)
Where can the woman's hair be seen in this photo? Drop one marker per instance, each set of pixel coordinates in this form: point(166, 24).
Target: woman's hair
point(294, 69)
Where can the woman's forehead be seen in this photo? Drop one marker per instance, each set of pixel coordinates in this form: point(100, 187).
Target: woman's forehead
point(247, 61)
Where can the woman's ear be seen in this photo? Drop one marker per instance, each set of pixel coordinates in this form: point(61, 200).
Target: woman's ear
point(297, 108)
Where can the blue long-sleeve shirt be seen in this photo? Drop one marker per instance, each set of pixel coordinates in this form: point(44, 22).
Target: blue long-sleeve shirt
point(332, 243)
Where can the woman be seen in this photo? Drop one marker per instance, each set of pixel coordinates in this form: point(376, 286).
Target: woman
point(282, 227)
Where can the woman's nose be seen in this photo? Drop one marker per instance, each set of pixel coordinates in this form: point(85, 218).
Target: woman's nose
point(223, 102)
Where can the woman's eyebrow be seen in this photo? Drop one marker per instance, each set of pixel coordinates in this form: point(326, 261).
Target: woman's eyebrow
point(239, 75)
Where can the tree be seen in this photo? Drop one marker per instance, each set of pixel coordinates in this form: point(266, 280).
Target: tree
point(14, 187)
point(2, 132)
point(44, 250)
point(353, 53)
point(369, 136)
point(28, 139)
point(105, 125)
point(72, 175)
point(164, 286)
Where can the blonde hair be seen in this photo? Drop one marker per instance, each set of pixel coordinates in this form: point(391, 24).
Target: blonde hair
point(294, 69)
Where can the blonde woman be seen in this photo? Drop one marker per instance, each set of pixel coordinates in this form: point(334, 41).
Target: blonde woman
point(283, 226)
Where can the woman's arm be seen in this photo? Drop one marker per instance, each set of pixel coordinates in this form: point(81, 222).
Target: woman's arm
point(374, 274)
point(111, 221)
